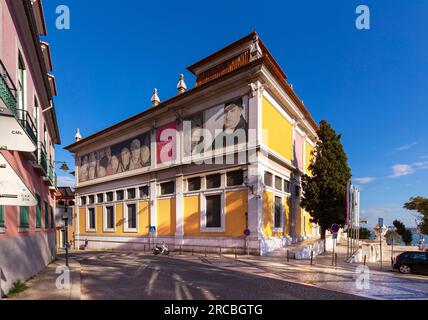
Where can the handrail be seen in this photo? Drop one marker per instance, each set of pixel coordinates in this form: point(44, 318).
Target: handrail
point(28, 124)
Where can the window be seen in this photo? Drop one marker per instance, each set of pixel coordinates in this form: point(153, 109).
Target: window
point(2, 224)
point(277, 224)
point(420, 256)
point(21, 85)
point(109, 196)
point(167, 187)
point(213, 211)
point(91, 219)
point(131, 193)
point(100, 198)
point(24, 217)
point(131, 217)
point(235, 178)
point(109, 218)
point(144, 191)
point(52, 218)
point(278, 183)
point(91, 199)
point(268, 179)
point(46, 215)
point(83, 201)
point(194, 184)
point(38, 212)
point(119, 195)
point(213, 181)
point(286, 186)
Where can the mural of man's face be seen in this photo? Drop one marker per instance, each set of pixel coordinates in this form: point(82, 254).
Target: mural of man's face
point(135, 150)
point(145, 154)
point(232, 115)
point(125, 156)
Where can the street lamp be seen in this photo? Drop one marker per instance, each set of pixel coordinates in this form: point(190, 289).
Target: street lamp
point(65, 218)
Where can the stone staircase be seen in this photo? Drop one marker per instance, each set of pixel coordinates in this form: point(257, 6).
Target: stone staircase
point(300, 250)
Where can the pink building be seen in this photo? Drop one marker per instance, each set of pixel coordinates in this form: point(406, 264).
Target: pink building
point(27, 233)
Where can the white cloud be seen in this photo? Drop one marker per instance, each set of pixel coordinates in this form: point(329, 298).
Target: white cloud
point(65, 181)
point(400, 170)
point(364, 180)
point(406, 146)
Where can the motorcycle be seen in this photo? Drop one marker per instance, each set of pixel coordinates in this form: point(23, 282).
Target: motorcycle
point(163, 249)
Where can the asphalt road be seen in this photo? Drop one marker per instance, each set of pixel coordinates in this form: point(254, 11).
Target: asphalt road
point(132, 275)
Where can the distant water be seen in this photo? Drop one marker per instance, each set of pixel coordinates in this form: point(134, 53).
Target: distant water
point(415, 240)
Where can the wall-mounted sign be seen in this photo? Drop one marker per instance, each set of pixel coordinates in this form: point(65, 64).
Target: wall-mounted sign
point(12, 135)
point(13, 191)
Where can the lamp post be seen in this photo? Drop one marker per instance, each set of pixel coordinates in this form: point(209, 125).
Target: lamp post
point(65, 218)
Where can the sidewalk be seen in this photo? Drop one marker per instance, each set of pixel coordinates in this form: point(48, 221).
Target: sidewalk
point(43, 286)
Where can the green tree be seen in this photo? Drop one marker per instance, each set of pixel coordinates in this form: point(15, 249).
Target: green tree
point(406, 234)
point(365, 233)
point(420, 204)
point(325, 189)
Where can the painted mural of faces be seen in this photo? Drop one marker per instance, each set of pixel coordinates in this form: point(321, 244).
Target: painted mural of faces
point(114, 165)
point(233, 117)
point(84, 169)
point(104, 157)
point(135, 154)
point(125, 159)
point(92, 165)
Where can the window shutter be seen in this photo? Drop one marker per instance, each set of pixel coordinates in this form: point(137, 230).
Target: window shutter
point(2, 216)
point(46, 215)
point(24, 217)
point(38, 213)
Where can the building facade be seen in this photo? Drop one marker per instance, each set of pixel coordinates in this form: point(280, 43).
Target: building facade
point(27, 233)
point(216, 166)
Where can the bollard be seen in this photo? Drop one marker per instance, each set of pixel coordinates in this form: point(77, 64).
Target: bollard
point(192, 251)
point(235, 254)
point(205, 252)
point(365, 257)
point(312, 257)
point(288, 255)
point(335, 259)
point(220, 251)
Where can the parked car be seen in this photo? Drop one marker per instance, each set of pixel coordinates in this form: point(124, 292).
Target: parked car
point(412, 262)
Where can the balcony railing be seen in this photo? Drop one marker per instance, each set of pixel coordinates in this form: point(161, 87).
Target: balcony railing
point(7, 90)
point(28, 124)
point(41, 159)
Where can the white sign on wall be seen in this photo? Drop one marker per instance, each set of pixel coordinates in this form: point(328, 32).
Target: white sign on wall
point(12, 135)
point(13, 191)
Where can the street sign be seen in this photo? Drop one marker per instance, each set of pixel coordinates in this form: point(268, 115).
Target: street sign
point(247, 232)
point(334, 235)
point(152, 229)
point(12, 135)
point(13, 191)
point(334, 227)
point(380, 222)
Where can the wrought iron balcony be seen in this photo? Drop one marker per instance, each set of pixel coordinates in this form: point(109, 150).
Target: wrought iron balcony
point(7, 90)
point(41, 162)
point(28, 124)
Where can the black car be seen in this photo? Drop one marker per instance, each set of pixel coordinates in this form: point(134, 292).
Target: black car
point(412, 262)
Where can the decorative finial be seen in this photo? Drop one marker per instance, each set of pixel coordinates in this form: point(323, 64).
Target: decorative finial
point(181, 85)
point(155, 98)
point(78, 136)
point(255, 50)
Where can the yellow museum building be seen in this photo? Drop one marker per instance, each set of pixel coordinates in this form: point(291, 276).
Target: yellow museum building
point(215, 166)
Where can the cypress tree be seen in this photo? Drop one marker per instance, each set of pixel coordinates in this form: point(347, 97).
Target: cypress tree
point(324, 191)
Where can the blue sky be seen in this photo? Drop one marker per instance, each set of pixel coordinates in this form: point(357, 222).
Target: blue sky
point(371, 85)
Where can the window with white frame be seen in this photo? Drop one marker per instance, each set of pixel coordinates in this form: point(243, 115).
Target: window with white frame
point(90, 219)
point(109, 196)
point(267, 179)
point(119, 195)
point(278, 214)
point(167, 188)
point(213, 215)
point(194, 184)
point(286, 186)
point(109, 218)
point(130, 193)
point(213, 181)
point(83, 200)
point(131, 217)
point(235, 178)
point(100, 198)
point(144, 191)
point(278, 183)
point(91, 199)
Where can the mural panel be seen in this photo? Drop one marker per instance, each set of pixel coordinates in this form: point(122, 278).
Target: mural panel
point(125, 156)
